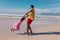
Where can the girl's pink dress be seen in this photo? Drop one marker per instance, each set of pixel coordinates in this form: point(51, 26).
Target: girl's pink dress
point(16, 25)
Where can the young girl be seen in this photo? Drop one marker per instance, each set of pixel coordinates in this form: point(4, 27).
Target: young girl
point(17, 24)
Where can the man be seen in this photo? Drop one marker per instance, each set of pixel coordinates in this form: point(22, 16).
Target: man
point(30, 19)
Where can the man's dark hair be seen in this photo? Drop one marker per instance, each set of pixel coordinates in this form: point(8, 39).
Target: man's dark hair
point(32, 6)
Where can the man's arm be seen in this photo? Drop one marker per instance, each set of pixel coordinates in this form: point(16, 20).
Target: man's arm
point(25, 16)
point(28, 12)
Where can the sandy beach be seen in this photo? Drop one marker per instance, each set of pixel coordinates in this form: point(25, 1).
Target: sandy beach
point(43, 29)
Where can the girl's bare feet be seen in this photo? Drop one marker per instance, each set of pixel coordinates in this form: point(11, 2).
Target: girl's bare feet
point(12, 30)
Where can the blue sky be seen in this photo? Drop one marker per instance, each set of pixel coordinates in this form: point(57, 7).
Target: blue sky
point(21, 6)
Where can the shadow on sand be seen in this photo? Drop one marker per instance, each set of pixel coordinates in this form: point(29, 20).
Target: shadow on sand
point(42, 33)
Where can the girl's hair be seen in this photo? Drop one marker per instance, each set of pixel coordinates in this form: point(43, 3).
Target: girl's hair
point(32, 6)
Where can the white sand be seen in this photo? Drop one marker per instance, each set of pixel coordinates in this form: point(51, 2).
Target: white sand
point(43, 29)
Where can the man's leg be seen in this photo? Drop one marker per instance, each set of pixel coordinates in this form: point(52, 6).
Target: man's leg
point(28, 26)
point(27, 29)
point(30, 29)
